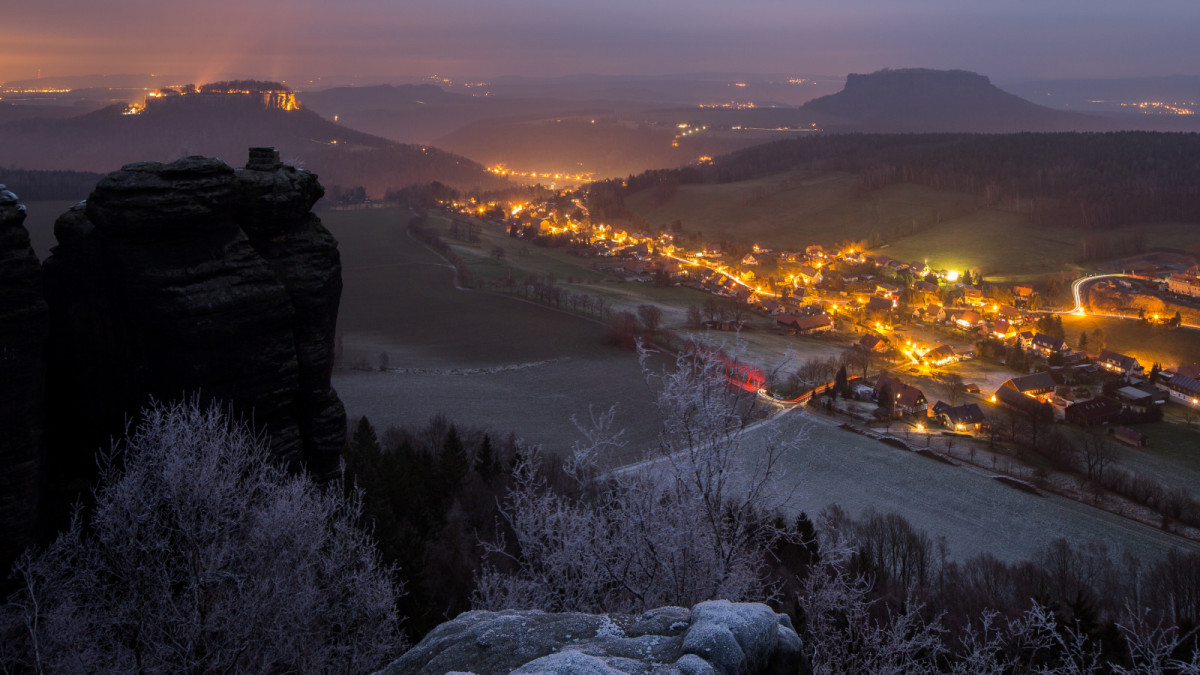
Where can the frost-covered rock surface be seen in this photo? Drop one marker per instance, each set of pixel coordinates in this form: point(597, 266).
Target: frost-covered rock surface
point(713, 638)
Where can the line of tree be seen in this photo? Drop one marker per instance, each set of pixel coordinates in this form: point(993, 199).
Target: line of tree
point(1084, 180)
point(33, 186)
point(430, 237)
point(180, 564)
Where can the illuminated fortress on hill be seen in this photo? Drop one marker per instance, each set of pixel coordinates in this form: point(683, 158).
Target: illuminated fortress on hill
point(270, 95)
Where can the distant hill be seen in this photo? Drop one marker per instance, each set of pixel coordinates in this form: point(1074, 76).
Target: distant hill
point(603, 146)
point(1088, 181)
point(224, 126)
point(422, 113)
point(921, 100)
point(604, 126)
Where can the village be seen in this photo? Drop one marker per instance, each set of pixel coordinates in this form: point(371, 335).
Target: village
point(904, 319)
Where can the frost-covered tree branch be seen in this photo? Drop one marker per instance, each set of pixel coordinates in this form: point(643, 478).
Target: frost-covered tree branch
point(695, 521)
point(200, 556)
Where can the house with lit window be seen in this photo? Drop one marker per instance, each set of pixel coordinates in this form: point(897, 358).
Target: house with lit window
point(906, 400)
point(1047, 346)
point(964, 418)
point(1119, 363)
point(940, 355)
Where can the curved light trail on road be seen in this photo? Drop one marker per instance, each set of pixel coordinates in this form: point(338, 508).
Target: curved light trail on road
point(1077, 290)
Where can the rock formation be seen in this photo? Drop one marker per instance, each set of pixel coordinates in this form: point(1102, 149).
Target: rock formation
point(23, 326)
point(713, 638)
point(193, 278)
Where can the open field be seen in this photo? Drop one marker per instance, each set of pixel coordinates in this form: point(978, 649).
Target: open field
point(762, 343)
point(1145, 343)
point(798, 208)
point(483, 359)
point(973, 512)
point(996, 242)
point(1172, 458)
point(1178, 237)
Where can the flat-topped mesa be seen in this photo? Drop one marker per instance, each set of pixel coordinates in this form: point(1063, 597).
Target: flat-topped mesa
point(23, 330)
point(193, 278)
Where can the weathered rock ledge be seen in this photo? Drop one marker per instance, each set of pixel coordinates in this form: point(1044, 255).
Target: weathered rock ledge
point(713, 638)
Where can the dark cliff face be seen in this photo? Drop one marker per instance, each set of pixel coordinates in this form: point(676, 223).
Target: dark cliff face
point(23, 327)
point(193, 278)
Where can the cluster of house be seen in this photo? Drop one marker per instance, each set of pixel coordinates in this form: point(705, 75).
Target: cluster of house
point(1034, 395)
point(902, 400)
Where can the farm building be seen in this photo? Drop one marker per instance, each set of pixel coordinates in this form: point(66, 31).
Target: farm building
point(1131, 437)
point(1037, 385)
point(1184, 284)
point(1011, 398)
point(1185, 389)
point(815, 323)
point(1102, 410)
point(1141, 397)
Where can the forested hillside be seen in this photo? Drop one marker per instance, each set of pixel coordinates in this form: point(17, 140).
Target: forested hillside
point(1087, 181)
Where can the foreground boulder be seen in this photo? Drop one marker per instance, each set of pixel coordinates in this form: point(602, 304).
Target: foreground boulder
point(23, 330)
point(193, 278)
point(713, 638)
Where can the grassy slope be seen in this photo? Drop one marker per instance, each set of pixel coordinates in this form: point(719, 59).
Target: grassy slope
point(762, 344)
point(794, 209)
point(1168, 347)
point(399, 299)
point(798, 208)
point(975, 513)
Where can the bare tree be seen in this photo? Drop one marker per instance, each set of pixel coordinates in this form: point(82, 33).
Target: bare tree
point(651, 317)
point(690, 523)
point(200, 556)
point(1098, 455)
point(955, 389)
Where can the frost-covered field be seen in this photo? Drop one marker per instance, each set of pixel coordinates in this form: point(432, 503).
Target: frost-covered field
point(484, 360)
point(535, 401)
point(974, 513)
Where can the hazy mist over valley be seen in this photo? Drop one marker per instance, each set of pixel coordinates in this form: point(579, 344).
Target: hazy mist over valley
point(623, 338)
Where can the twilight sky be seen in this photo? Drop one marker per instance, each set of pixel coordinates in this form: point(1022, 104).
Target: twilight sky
point(1008, 40)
